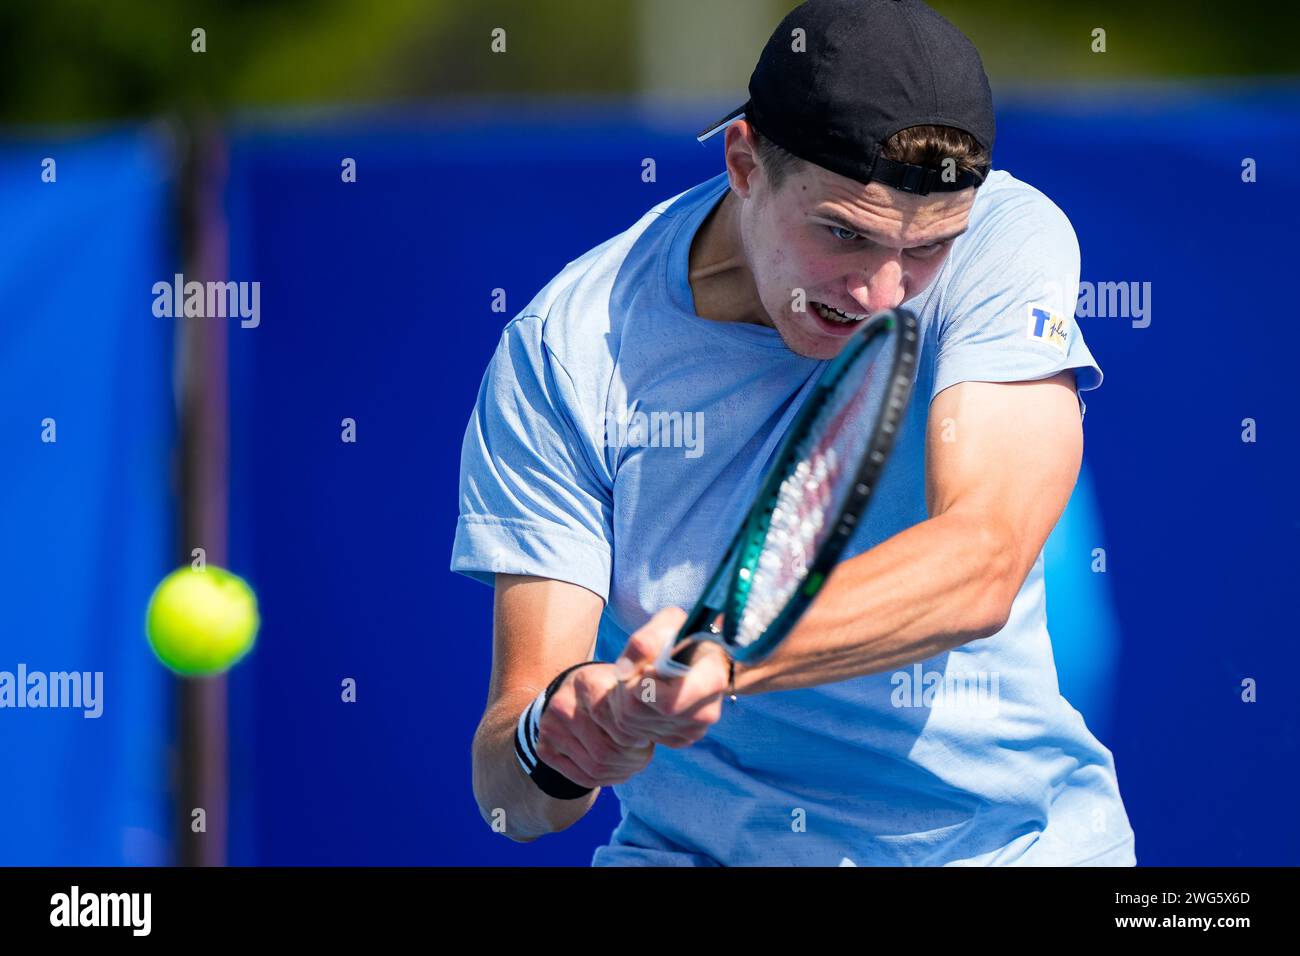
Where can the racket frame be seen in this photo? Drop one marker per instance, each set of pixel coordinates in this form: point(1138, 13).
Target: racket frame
point(741, 557)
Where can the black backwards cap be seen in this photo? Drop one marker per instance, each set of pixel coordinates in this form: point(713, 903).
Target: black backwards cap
point(870, 69)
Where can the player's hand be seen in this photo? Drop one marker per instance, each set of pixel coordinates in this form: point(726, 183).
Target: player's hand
point(572, 737)
point(675, 712)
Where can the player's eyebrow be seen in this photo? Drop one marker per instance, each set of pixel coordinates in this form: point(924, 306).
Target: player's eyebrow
point(843, 223)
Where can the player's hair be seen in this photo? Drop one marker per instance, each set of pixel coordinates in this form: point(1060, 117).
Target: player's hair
point(922, 145)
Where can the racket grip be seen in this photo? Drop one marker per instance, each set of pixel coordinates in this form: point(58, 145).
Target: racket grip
point(675, 658)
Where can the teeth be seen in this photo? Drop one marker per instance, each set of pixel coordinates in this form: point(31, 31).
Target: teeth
point(835, 315)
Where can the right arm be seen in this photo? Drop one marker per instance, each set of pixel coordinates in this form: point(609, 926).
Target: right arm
point(541, 627)
point(598, 729)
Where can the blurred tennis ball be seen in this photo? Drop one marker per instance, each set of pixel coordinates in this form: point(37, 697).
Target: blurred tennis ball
point(201, 622)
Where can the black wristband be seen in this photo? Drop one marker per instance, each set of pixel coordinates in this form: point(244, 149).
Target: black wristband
point(554, 685)
point(549, 780)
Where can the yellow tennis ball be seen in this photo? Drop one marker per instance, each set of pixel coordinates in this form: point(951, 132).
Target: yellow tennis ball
point(201, 622)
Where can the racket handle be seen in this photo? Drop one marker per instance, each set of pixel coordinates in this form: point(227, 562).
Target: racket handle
point(675, 658)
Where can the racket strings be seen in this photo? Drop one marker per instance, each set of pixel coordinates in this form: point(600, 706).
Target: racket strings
point(807, 501)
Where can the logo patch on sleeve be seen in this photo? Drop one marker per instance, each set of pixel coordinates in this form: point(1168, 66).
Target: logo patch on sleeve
point(1048, 326)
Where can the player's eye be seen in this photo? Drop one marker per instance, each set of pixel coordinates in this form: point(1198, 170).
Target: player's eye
point(844, 235)
point(927, 252)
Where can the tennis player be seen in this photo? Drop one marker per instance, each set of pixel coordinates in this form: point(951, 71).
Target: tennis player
point(629, 413)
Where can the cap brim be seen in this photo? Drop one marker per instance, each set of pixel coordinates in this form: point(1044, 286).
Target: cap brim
point(737, 113)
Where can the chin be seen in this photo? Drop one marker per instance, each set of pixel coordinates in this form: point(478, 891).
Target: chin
point(810, 343)
point(819, 350)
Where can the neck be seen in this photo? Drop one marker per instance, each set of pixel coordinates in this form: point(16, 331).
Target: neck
point(721, 283)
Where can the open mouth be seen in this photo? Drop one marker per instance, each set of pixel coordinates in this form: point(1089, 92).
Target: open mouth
point(836, 318)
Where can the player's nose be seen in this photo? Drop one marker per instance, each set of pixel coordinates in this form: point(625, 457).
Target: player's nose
point(883, 288)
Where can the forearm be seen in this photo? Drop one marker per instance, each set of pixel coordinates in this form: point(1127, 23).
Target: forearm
point(507, 799)
point(933, 587)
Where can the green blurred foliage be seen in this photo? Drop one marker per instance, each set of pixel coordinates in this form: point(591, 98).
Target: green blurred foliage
point(1026, 43)
point(76, 60)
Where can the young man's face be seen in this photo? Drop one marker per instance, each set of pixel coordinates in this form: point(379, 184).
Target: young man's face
point(855, 248)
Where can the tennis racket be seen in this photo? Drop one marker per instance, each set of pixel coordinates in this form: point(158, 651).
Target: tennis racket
point(811, 500)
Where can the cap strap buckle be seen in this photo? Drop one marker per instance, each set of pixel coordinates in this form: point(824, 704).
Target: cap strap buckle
point(916, 179)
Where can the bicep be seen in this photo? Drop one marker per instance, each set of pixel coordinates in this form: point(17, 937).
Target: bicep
point(540, 627)
point(1007, 454)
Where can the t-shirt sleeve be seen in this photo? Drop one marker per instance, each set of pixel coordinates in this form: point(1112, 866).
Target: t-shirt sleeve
point(535, 497)
point(1008, 313)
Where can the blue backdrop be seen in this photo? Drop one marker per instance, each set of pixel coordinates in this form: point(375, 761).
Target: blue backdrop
point(376, 306)
point(86, 521)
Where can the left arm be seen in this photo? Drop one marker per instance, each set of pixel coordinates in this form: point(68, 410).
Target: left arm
point(994, 490)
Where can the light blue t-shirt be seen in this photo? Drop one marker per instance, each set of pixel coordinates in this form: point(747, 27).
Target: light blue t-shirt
point(617, 440)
